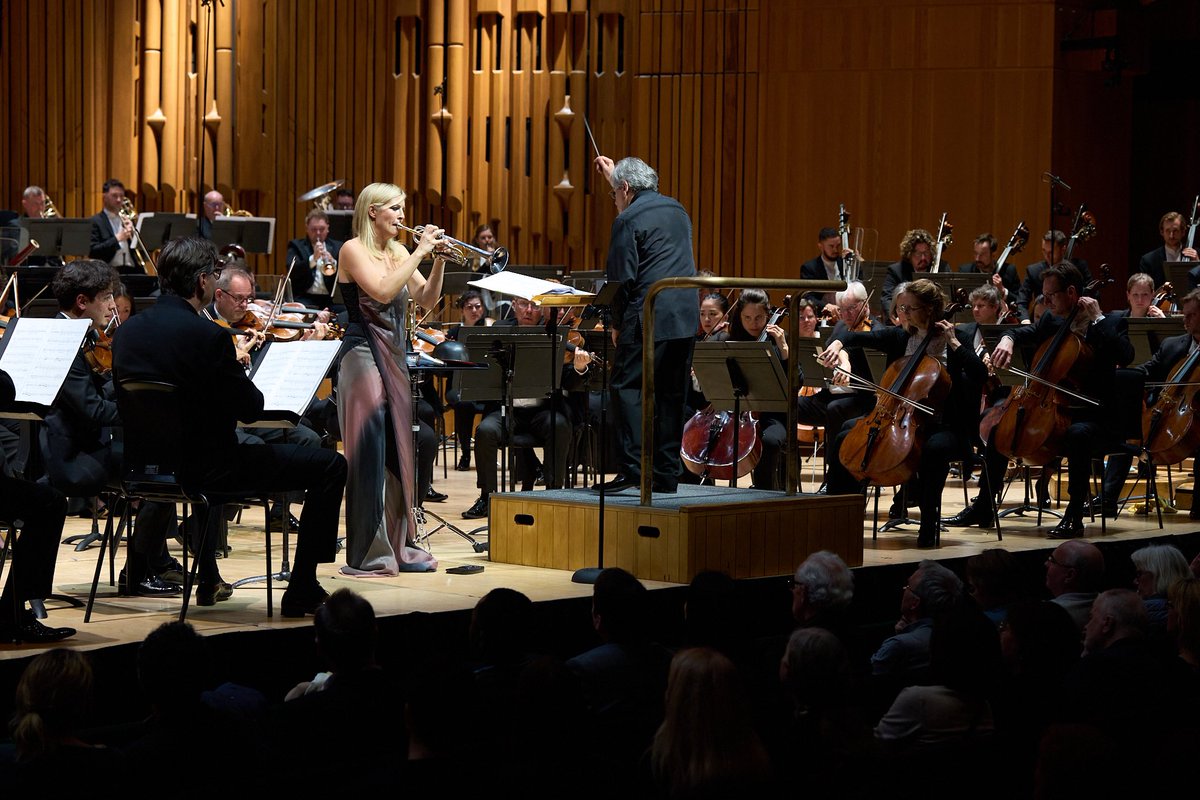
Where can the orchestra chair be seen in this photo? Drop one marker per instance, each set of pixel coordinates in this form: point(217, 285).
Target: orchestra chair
point(153, 419)
point(1129, 394)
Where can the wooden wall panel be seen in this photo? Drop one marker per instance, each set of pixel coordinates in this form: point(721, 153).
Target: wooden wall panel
point(760, 117)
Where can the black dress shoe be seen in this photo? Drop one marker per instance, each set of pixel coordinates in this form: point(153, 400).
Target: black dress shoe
point(971, 515)
point(275, 523)
point(1070, 527)
point(479, 510)
point(170, 572)
point(300, 600)
point(149, 586)
point(211, 595)
point(27, 629)
point(616, 484)
point(434, 496)
point(464, 463)
point(1110, 509)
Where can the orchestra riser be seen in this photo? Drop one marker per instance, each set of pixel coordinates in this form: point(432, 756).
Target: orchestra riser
point(744, 532)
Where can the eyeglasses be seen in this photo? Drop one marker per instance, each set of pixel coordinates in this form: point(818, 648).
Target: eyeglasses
point(240, 299)
point(907, 309)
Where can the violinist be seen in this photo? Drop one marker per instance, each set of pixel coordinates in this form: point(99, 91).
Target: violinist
point(916, 257)
point(750, 322)
point(531, 416)
point(828, 265)
point(124, 302)
point(1170, 228)
point(1172, 352)
point(231, 306)
point(316, 258)
point(836, 403)
point(1107, 339)
point(920, 306)
point(714, 317)
point(470, 303)
point(79, 449)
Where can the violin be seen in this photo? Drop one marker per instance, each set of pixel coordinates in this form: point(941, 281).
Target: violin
point(885, 445)
point(97, 352)
point(1035, 416)
point(426, 339)
point(1170, 430)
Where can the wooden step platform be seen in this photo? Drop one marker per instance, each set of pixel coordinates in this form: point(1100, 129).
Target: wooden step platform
point(746, 533)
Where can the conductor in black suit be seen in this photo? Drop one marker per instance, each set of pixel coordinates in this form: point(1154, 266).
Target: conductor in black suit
point(315, 255)
point(172, 343)
point(1170, 227)
point(651, 239)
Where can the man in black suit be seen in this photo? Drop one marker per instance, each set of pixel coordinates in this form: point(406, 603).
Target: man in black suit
point(985, 264)
point(112, 234)
point(827, 266)
point(1170, 227)
point(1092, 427)
point(651, 239)
point(916, 256)
point(1054, 245)
point(172, 343)
point(315, 255)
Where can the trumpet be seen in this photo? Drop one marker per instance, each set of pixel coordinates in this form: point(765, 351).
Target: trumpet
point(323, 260)
point(140, 254)
point(49, 210)
point(496, 260)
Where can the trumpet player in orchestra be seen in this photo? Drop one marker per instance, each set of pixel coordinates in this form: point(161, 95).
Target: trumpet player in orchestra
point(314, 277)
point(112, 232)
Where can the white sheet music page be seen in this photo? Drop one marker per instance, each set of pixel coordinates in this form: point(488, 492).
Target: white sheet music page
point(290, 373)
point(38, 354)
point(517, 285)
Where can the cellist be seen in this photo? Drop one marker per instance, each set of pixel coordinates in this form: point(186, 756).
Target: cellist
point(920, 306)
point(1107, 337)
point(1174, 350)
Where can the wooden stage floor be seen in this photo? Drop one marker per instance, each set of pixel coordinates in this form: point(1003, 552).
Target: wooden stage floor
point(119, 620)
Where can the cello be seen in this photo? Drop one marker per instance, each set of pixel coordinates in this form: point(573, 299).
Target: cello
point(1169, 426)
point(884, 446)
point(1036, 415)
point(707, 447)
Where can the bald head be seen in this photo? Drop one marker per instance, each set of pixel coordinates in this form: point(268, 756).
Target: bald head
point(1074, 566)
point(214, 204)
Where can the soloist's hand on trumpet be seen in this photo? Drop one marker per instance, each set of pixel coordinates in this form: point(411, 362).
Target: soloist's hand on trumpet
point(430, 240)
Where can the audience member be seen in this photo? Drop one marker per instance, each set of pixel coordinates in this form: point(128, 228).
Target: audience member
point(711, 617)
point(994, 580)
point(1073, 575)
point(1156, 568)
point(931, 590)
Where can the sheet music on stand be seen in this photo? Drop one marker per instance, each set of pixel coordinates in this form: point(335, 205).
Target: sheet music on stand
point(37, 355)
point(539, 291)
point(759, 364)
point(289, 374)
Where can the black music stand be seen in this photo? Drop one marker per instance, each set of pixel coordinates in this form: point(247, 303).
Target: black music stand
point(952, 282)
point(1147, 333)
point(254, 234)
point(1178, 275)
point(60, 237)
point(156, 229)
point(517, 360)
point(741, 376)
point(340, 224)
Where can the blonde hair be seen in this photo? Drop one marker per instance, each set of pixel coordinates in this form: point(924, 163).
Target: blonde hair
point(376, 194)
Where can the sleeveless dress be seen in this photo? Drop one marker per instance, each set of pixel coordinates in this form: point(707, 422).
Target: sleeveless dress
point(375, 412)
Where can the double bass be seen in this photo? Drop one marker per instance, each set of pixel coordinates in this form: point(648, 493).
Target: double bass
point(707, 448)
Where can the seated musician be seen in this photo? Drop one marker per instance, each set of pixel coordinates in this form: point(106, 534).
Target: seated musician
point(916, 256)
point(1107, 337)
point(1054, 246)
point(79, 449)
point(809, 318)
point(1168, 357)
point(920, 305)
point(43, 512)
point(470, 303)
point(529, 416)
point(112, 234)
point(985, 263)
point(828, 265)
point(172, 343)
point(1170, 228)
point(314, 277)
point(1139, 291)
point(835, 403)
point(33, 206)
point(749, 322)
